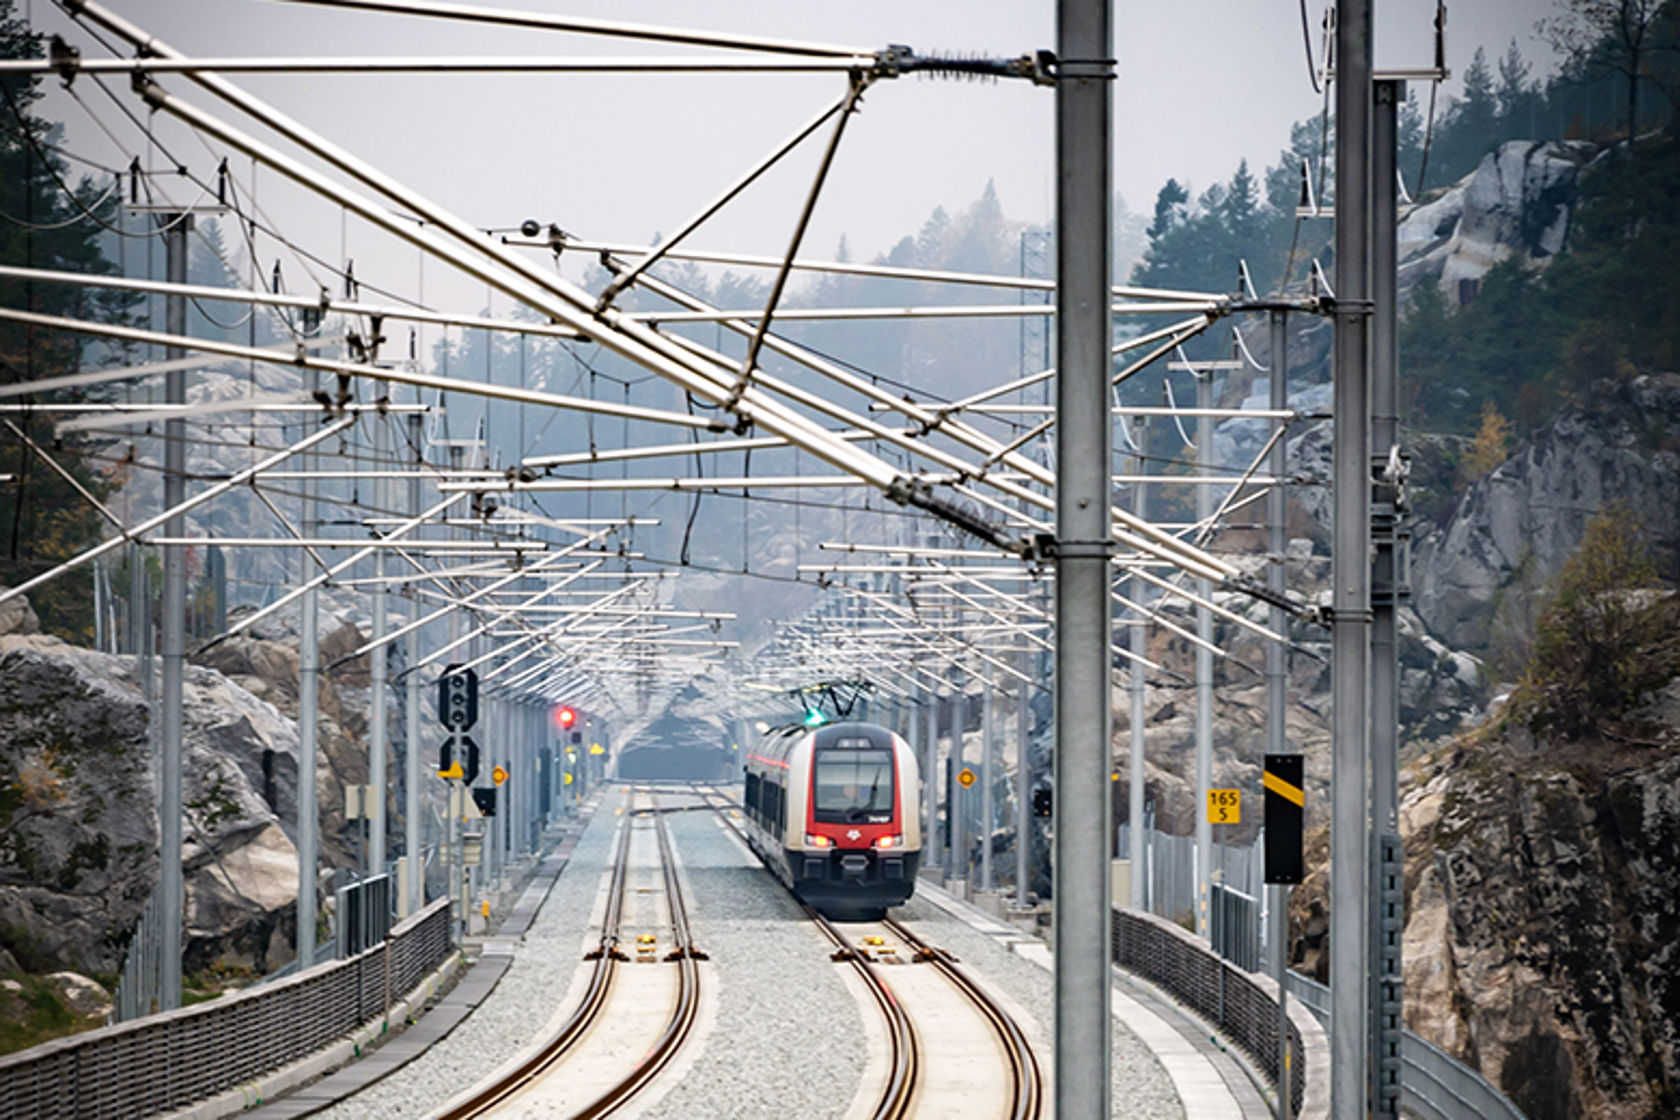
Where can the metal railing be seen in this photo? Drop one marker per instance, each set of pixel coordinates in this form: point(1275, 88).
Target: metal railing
point(1433, 1084)
point(165, 1062)
point(1220, 993)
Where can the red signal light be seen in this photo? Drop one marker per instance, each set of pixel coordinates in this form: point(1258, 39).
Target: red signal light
point(565, 717)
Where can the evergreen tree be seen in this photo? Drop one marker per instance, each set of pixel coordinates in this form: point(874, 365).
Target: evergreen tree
point(1169, 209)
point(1240, 208)
point(1518, 100)
point(46, 222)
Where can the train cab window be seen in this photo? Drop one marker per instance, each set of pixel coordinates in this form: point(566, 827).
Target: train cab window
point(854, 783)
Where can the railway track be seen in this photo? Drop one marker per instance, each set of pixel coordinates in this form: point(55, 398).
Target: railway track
point(608, 955)
point(907, 1059)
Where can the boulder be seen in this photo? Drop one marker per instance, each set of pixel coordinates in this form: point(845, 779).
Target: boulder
point(79, 843)
point(18, 617)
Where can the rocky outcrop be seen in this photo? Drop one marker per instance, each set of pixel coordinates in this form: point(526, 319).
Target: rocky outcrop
point(1543, 923)
point(1526, 517)
point(1517, 203)
point(79, 820)
point(267, 667)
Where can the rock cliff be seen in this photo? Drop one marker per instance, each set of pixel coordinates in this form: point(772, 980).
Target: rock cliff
point(1543, 927)
point(1616, 444)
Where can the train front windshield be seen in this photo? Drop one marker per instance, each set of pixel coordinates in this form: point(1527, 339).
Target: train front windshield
point(854, 784)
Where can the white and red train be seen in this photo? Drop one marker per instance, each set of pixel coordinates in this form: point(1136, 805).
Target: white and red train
point(835, 812)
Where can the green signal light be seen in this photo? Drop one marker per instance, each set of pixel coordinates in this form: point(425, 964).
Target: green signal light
point(815, 718)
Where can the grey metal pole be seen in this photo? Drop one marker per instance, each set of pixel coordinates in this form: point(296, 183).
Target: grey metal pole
point(1387, 901)
point(1138, 642)
point(1351, 571)
point(988, 729)
point(957, 805)
point(309, 667)
point(378, 725)
point(1084, 543)
point(490, 743)
point(1277, 687)
point(1023, 782)
point(930, 748)
point(413, 845)
point(1204, 667)
point(171, 885)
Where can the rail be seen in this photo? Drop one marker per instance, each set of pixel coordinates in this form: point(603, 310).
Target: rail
point(905, 1057)
point(1241, 1004)
point(1433, 1084)
point(1026, 1080)
point(606, 955)
point(165, 1062)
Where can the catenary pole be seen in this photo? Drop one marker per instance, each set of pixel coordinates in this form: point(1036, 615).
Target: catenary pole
point(378, 724)
point(1277, 682)
point(412, 843)
point(1385, 891)
point(1023, 779)
point(1138, 642)
point(172, 887)
point(1204, 664)
point(988, 736)
point(930, 744)
point(1081, 920)
point(309, 667)
point(1350, 564)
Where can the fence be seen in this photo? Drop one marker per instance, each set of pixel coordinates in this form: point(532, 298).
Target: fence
point(1241, 1004)
point(137, 986)
point(1168, 867)
point(363, 915)
point(166, 1062)
point(1433, 1084)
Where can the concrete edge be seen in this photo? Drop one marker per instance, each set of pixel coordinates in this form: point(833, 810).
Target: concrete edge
point(329, 1058)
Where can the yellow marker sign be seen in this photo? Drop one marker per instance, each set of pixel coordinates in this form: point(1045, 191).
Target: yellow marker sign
point(1283, 789)
point(966, 777)
point(454, 771)
point(565, 779)
point(596, 748)
point(1225, 806)
point(498, 775)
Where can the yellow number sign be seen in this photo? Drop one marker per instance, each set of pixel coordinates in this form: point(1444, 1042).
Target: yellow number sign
point(1225, 806)
point(499, 775)
point(966, 777)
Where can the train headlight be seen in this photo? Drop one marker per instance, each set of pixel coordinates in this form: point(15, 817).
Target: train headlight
point(817, 841)
point(889, 841)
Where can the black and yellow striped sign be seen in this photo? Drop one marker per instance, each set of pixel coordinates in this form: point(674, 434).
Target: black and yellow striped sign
point(1286, 801)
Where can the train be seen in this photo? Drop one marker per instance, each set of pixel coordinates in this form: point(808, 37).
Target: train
point(834, 812)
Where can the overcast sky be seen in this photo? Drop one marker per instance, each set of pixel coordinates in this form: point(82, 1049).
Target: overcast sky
point(1202, 83)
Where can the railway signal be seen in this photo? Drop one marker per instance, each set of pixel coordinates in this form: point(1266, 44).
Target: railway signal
point(457, 705)
point(485, 800)
point(458, 758)
point(565, 716)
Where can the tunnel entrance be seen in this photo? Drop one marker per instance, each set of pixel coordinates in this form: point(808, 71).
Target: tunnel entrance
point(678, 764)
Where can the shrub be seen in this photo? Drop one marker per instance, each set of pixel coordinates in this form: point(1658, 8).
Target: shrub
point(1603, 638)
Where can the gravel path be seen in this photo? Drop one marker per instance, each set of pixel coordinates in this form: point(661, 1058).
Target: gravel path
point(789, 1039)
point(515, 1013)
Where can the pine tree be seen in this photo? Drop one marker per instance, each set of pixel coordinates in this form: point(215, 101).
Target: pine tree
point(49, 223)
point(1169, 209)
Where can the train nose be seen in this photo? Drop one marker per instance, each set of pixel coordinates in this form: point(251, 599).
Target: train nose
point(854, 867)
